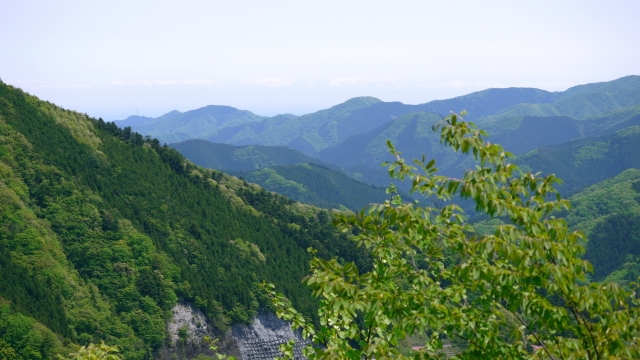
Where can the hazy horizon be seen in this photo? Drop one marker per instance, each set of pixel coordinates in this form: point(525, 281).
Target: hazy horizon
point(110, 58)
point(299, 114)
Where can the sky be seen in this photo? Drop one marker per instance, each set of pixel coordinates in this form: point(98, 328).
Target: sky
point(112, 59)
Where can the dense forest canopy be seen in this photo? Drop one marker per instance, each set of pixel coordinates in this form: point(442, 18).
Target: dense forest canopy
point(107, 229)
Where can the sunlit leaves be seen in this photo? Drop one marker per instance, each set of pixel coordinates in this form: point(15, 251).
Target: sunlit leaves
point(521, 292)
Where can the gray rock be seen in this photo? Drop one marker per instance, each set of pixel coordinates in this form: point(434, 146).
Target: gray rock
point(259, 340)
point(186, 332)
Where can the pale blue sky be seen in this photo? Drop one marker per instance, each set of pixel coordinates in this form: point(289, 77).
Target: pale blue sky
point(108, 58)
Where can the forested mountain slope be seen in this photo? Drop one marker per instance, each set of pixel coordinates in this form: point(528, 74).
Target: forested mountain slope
point(608, 213)
point(239, 158)
point(582, 162)
point(317, 185)
point(579, 102)
point(285, 171)
point(102, 231)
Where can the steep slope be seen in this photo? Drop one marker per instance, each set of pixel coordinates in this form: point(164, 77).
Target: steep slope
point(616, 195)
point(285, 171)
point(608, 213)
point(239, 158)
point(317, 185)
point(106, 231)
point(586, 161)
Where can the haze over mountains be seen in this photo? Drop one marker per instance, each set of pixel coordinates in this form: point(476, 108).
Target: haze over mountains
point(317, 131)
point(353, 135)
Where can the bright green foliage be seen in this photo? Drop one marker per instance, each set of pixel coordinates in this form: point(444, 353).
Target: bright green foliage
point(214, 347)
point(616, 195)
point(608, 213)
point(520, 292)
point(22, 337)
point(96, 352)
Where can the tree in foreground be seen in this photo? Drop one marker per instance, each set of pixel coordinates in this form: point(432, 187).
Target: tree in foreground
point(521, 293)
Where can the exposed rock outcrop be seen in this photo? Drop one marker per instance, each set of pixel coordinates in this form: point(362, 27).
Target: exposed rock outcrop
point(186, 332)
point(262, 338)
point(259, 340)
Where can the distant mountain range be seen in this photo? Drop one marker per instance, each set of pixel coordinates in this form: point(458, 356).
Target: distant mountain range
point(352, 135)
point(496, 109)
point(588, 136)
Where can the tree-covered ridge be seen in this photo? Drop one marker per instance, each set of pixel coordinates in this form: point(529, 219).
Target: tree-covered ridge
point(39, 210)
point(226, 157)
point(583, 162)
point(578, 102)
point(285, 171)
point(317, 185)
point(617, 195)
point(609, 215)
point(114, 231)
point(497, 109)
point(177, 126)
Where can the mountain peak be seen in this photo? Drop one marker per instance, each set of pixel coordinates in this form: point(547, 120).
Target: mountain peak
point(362, 100)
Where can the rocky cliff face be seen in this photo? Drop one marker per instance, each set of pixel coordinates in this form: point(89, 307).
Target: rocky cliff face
point(186, 332)
point(262, 338)
point(259, 340)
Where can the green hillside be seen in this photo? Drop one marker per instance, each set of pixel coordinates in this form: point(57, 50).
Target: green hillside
point(239, 158)
point(317, 185)
point(412, 134)
point(103, 231)
point(582, 162)
point(579, 102)
point(285, 171)
point(608, 213)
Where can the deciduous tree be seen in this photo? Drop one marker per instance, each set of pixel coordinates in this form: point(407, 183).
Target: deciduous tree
point(522, 292)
